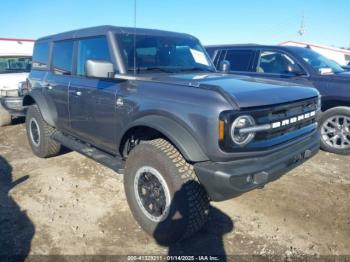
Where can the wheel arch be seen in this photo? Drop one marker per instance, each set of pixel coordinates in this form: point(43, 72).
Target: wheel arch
point(174, 132)
point(48, 112)
point(332, 103)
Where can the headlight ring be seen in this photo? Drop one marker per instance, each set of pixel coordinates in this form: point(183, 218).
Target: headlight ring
point(239, 123)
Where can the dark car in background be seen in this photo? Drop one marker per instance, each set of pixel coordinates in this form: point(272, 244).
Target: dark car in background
point(301, 66)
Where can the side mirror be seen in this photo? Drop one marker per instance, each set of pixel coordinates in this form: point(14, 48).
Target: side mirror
point(225, 66)
point(99, 69)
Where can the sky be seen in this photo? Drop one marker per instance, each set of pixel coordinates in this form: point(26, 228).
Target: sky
point(212, 21)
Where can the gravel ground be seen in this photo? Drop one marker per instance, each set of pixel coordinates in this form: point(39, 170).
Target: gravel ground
point(70, 205)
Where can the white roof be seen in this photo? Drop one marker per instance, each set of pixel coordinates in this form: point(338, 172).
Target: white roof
point(330, 48)
point(16, 47)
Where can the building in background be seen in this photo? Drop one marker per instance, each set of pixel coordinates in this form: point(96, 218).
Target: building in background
point(341, 56)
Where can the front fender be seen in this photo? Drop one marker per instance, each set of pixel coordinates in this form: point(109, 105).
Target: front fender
point(48, 112)
point(176, 133)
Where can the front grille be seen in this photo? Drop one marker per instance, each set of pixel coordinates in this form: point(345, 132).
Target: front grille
point(280, 113)
point(267, 116)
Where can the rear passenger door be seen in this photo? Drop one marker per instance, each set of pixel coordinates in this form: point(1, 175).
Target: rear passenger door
point(92, 101)
point(58, 80)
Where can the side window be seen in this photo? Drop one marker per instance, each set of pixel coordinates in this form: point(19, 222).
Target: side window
point(92, 48)
point(272, 62)
point(239, 59)
point(40, 55)
point(62, 57)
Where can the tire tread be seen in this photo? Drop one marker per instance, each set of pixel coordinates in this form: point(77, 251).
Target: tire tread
point(197, 196)
point(50, 147)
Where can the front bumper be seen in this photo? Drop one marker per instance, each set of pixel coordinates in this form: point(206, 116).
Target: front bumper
point(225, 180)
point(13, 104)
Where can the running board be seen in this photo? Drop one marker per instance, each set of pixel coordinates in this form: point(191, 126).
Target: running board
point(114, 163)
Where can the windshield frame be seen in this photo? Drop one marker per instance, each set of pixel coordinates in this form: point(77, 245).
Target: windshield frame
point(162, 68)
point(14, 71)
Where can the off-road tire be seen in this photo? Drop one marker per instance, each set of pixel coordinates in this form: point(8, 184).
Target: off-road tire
point(5, 117)
point(189, 201)
point(47, 147)
point(337, 111)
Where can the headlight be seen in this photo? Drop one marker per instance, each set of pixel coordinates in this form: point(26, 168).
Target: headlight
point(22, 88)
point(239, 123)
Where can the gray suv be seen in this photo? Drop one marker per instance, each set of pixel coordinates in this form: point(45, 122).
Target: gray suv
point(150, 105)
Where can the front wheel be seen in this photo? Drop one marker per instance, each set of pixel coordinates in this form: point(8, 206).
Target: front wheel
point(39, 134)
point(335, 130)
point(163, 192)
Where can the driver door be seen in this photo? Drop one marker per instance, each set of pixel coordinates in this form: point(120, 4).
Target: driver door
point(274, 64)
point(92, 104)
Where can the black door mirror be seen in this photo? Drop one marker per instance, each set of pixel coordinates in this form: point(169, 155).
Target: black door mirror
point(225, 66)
point(99, 69)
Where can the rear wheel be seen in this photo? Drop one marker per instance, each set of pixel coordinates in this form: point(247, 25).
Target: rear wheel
point(5, 117)
point(335, 130)
point(39, 134)
point(163, 192)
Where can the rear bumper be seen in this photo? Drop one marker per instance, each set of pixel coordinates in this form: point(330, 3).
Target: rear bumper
point(225, 180)
point(13, 104)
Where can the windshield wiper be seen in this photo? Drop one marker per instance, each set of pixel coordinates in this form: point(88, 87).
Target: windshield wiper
point(161, 69)
point(196, 69)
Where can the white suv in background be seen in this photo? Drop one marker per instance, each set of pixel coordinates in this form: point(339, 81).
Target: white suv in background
point(15, 64)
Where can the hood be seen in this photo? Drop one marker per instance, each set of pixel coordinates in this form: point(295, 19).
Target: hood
point(246, 91)
point(10, 81)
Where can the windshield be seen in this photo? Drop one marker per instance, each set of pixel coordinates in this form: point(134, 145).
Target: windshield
point(320, 63)
point(163, 53)
point(15, 64)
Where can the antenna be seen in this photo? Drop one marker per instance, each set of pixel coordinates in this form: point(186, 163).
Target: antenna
point(135, 15)
point(301, 30)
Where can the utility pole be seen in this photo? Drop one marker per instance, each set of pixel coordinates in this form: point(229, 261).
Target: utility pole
point(301, 30)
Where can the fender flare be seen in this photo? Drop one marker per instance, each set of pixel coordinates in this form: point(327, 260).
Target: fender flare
point(48, 112)
point(329, 103)
point(176, 133)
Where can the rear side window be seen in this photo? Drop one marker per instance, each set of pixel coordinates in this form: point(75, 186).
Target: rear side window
point(92, 48)
point(240, 59)
point(62, 57)
point(40, 56)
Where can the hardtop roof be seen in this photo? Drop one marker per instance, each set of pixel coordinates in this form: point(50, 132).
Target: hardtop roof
point(103, 30)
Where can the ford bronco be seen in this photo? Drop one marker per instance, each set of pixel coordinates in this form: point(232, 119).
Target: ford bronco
point(150, 105)
point(301, 66)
